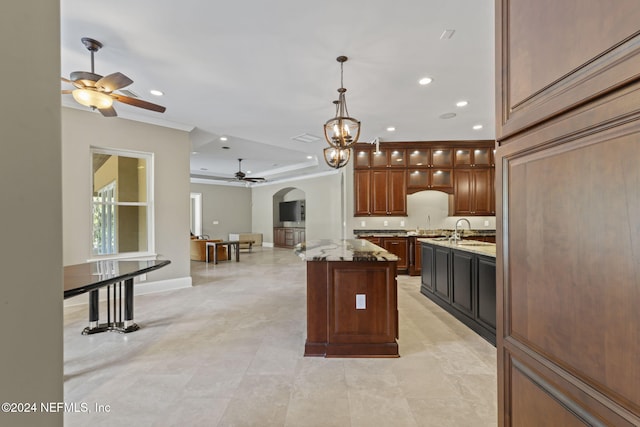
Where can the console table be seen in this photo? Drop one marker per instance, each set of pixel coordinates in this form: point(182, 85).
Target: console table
point(91, 276)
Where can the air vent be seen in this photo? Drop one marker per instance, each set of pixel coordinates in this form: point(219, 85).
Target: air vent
point(306, 138)
point(447, 34)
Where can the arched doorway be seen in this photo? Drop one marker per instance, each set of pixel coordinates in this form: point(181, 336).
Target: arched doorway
point(289, 215)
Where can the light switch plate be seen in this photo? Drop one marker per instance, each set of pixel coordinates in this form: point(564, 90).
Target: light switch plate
point(386, 223)
point(361, 301)
point(363, 223)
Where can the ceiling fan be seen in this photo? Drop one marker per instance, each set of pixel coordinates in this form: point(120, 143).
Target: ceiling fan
point(241, 176)
point(97, 92)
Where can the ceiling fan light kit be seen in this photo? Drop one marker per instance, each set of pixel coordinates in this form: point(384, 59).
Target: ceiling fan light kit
point(92, 98)
point(342, 131)
point(94, 91)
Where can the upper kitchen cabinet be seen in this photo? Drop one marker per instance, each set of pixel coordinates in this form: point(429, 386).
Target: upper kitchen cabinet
point(474, 157)
point(362, 158)
point(429, 179)
point(431, 157)
point(389, 158)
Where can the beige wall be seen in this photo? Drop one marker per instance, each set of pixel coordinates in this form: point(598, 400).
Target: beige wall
point(31, 355)
point(230, 206)
point(323, 200)
point(83, 129)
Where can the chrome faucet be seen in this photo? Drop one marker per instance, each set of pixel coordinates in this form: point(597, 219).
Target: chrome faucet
point(455, 232)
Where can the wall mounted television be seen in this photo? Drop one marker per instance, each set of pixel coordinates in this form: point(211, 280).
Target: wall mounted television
point(292, 211)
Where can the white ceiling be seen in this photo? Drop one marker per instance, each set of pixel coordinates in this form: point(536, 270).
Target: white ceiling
point(261, 72)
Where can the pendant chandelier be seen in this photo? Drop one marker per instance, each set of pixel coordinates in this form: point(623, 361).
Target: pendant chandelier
point(342, 131)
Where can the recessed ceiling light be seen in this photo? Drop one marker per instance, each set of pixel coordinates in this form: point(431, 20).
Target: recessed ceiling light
point(425, 81)
point(447, 115)
point(477, 127)
point(223, 138)
point(224, 147)
point(248, 171)
point(462, 103)
point(309, 157)
point(194, 152)
point(391, 128)
point(156, 92)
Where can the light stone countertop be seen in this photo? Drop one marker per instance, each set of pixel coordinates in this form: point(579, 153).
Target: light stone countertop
point(342, 250)
point(474, 246)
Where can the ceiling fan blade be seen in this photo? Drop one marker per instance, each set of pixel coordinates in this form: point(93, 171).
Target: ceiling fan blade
point(113, 82)
point(138, 103)
point(87, 78)
point(256, 179)
point(108, 112)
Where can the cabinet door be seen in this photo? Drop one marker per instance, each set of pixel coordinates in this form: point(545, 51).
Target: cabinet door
point(462, 281)
point(462, 191)
point(486, 291)
point(441, 273)
point(397, 193)
point(441, 157)
point(428, 263)
point(482, 192)
point(399, 247)
point(379, 192)
point(362, 192)
point(474, 192)
point(362, 158)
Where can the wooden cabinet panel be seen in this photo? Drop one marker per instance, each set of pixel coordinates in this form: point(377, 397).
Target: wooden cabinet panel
point(379, 192)
point(387, 194)
point(441, 277)
point(428, 269)
point(553, 56)
point(486, 293)
point(462, 281)
point(568, 84)
point(362, 192)
point(288, 237)
point(474, 192)
point(397, 195)
point(400, 247)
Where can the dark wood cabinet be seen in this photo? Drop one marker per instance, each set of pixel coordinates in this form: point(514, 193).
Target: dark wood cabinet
point(568, 130)
point(288, 237)
point(336, 327)
point(464, 284)
point(389, 158)
point(398, 246)
point(474, 192)
point(362, 192)
point(380, 192)
point(415, 256)
point(382, 180)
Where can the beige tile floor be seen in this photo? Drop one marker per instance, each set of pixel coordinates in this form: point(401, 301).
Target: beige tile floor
point(228, 352)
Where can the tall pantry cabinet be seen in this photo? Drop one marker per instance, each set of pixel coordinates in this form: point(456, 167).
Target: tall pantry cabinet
point(568, 212)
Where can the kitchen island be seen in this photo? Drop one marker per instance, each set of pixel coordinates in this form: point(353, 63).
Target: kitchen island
point(461, 278)
point(352, 304)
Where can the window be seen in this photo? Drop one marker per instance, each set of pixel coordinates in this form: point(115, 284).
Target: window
point(122, 202)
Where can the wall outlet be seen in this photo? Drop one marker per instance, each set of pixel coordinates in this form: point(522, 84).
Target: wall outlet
point(486, 223)
point(142, 278)
point(216, 222)
point(386, 223)
point(361, 301)
point(401, 223)
point(363, 223)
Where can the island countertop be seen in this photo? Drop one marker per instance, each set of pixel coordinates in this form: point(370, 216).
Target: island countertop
point(476, 247)
point(342, 250)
